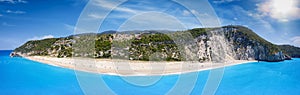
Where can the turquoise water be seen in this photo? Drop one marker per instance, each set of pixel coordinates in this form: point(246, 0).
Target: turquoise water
point(19, 76)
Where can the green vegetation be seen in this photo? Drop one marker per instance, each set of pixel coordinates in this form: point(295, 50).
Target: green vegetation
point(147, 46)
point(198, 31)
point(103, 43)
point(251, 38)
point(37, 47)
point(290, 50)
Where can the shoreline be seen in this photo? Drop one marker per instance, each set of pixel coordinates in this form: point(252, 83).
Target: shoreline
point(132, 68)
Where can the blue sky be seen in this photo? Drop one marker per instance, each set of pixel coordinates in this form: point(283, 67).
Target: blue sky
point(22, 20)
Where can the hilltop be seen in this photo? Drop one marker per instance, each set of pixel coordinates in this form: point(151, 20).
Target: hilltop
point(208, 44)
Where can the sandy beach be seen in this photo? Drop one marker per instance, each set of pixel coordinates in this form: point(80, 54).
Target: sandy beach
point(132, 68)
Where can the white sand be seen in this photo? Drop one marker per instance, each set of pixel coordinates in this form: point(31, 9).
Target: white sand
point(131, 68)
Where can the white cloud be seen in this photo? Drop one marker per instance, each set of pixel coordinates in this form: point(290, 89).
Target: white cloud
point(191, 12)
point(78, 30)
point(296, 41)
point(101, 16)
point(6, 24)
point(96, 16)
point(185, 13)
point(258, 22)
point(195, 12)
point(69, 27)
point(78, 2)
point(281, 10)
point(106, 4)
point(15, 12)
point(235, 18)
point(223, 1)
point(1, 15)
point(153, 21)
point(42, 37)
point(14, 1)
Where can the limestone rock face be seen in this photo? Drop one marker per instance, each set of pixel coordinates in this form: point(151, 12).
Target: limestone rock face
point(233, 43)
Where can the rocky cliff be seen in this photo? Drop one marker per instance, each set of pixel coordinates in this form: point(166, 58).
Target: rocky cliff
point(201, 44)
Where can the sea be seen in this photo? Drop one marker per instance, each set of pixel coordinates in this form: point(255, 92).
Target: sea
point(19, 76)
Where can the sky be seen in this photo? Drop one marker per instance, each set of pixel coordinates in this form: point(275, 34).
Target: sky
point(277, 21)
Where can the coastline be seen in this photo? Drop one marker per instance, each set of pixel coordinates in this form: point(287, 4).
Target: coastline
point(132, 68)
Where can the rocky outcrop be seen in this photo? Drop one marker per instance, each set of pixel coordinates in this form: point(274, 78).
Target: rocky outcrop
point(248, 45)
point(14, 54)
point(238, 43)
point(287, 57)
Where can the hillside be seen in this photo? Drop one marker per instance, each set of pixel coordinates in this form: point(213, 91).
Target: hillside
point(207, 44)
point(290, 50)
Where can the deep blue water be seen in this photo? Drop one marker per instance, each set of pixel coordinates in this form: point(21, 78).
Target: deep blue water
point(19, 76)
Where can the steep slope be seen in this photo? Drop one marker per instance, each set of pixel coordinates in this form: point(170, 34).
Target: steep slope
point(36, 47)
point(290, 50)
point(248, 44)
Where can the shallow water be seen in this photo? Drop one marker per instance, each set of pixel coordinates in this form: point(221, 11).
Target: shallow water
point(20, 76)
